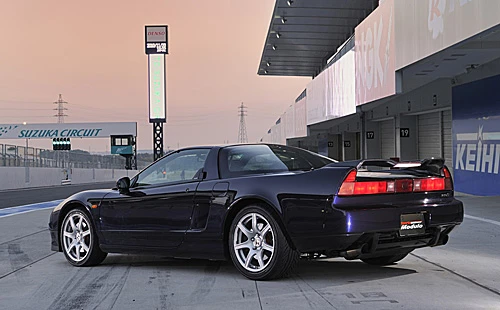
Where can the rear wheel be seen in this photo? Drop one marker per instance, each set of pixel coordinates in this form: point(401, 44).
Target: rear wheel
point(385, 260)
point(257, 246)
point(79, 240)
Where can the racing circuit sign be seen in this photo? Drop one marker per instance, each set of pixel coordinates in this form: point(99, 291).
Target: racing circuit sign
point(66, 130)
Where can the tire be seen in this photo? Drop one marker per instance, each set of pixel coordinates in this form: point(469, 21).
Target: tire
point(79, 241)
point(385, 260)
point(260, 251)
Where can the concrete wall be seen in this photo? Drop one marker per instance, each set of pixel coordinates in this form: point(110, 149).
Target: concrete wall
point(25, 177)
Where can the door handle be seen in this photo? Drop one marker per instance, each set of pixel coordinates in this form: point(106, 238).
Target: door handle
point(187, 190)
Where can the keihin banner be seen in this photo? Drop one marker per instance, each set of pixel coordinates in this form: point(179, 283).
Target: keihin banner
point(426, 27)
point(375, 54)
point(66, 130)
point(476, 137)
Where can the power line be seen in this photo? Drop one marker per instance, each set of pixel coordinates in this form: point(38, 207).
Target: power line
point(60, 109)
point(242, 133)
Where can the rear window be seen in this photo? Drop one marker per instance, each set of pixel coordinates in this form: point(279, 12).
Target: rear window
point(242, 160)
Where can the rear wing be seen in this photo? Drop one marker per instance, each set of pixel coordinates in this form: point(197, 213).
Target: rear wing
point(430, 165)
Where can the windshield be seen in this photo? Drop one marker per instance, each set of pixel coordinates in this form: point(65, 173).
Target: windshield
point(242, 160)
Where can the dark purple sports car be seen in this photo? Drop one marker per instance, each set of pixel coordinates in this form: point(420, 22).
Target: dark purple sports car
point(262, 206)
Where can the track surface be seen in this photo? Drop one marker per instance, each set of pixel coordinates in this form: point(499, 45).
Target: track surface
point(461, 275)
point(12, 198)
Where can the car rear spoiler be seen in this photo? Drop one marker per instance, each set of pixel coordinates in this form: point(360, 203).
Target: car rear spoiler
point(432, 165)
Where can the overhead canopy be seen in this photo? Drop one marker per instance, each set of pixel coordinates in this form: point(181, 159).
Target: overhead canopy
point(304, 34)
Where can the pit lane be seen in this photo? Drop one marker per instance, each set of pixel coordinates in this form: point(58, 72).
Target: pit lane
point(462, 275)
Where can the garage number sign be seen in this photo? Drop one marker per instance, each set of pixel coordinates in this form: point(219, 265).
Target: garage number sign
point(370, 135)
point(404, 132)
point(347, 143)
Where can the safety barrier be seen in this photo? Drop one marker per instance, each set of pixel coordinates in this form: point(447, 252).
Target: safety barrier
point(26, 177)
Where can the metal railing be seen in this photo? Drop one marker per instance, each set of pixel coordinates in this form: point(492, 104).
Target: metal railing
point(20, 156)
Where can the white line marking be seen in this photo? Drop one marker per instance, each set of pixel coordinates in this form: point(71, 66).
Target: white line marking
point(466, 136)
point(28, 208)
point(23, 212)
point(482, 219)
point(491, 136)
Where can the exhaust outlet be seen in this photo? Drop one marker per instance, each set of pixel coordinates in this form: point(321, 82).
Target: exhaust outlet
point(443, 240)
point(353, 254)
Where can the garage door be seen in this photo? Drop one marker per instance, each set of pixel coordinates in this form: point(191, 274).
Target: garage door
point(429, 135)
point(447, 140)
point(388, 139)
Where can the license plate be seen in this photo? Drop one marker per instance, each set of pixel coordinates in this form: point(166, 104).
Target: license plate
point(412, 224)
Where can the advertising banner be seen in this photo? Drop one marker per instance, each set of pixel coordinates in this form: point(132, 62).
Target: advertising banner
point(341, 90)
point(66, 130)
point(316, 103)
point(427, 27)
point(476, 137)
point(375, 54)
point(156, 39)
point(300, 118)
point(157, 89)
point(290, 122)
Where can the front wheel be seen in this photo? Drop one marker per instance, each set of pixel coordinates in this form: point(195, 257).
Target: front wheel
point(385, 260)
point(79, 240)
point(257, 246)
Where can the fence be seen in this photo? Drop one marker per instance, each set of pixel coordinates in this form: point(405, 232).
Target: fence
point(20, 156)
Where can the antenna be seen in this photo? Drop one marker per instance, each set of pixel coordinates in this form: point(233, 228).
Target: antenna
point(60, 109)
point(242, 133)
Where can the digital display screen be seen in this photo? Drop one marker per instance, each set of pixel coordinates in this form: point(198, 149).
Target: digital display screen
point(158, 47)
point(157, 88)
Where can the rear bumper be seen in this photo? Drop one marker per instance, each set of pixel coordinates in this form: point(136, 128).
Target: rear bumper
point(376, 229)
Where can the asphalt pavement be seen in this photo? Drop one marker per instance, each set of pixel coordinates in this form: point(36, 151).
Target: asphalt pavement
point(12, 198)
point(464, 274)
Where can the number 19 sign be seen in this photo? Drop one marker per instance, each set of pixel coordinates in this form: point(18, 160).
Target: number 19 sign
point(156, 49)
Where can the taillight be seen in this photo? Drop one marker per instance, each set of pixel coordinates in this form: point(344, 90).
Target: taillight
point(428, 185)
point(448, 183)
point(351, 187)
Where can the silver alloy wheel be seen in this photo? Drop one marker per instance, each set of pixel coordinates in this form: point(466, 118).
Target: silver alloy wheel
point(254, 242)
point(77, 238)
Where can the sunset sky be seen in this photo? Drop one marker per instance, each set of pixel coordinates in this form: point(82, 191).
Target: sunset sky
point(92, 52)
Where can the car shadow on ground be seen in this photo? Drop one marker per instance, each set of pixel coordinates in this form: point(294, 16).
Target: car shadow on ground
point(337, 270)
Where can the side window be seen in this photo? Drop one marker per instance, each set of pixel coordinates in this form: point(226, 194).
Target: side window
point(177, 167)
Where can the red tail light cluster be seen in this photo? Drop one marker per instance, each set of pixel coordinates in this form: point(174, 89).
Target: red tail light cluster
point(351, 187)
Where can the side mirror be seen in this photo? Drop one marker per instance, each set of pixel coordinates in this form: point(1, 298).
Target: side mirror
point(123, 184)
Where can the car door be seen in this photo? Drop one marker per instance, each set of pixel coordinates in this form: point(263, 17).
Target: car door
point(156, 212)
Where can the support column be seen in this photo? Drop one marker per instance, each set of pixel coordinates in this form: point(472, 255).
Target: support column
point(157, 140)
